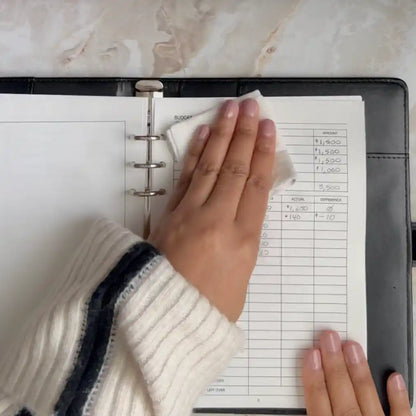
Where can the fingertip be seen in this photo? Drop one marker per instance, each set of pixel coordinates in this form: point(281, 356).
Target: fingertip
point(203, 132)
point(349, 343)
point(326, 333)
point(249, 107)
point(312, 360)
point(329, 341)
point(396, 383)
point(267, 128)
point(397, 394)
point(353, 353)
point(266, 138)
point(229, 109)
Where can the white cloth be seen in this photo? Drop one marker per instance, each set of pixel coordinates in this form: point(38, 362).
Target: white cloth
point(179, 135)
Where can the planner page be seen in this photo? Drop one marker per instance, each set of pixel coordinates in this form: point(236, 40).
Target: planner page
point(62, 165)
point(310, 272)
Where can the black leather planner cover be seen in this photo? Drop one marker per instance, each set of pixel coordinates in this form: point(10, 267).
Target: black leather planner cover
point(388, 244)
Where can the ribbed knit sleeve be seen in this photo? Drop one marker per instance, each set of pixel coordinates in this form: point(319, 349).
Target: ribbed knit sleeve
point(9, 405)
point(121, 333)
point(179, 339)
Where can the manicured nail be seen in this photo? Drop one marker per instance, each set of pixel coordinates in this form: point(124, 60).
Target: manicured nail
point(354, 354)
point(249, 107)
point(203, 133)
point(330, 342)
point(397, 382)
point(267, 128)
point(313, 360)
point(230, 109)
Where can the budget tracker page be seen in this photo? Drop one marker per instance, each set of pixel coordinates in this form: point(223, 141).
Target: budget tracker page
point(310, 272)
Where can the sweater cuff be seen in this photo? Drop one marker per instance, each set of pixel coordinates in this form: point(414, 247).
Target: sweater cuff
point(180, 340)
point(9, 405)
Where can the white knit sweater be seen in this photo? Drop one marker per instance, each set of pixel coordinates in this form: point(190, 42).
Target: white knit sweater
point(121, 333)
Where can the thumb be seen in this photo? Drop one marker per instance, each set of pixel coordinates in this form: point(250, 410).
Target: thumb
point(398, 397)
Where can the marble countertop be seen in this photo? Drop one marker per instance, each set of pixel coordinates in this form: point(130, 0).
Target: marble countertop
point(213, 38)
point(210, 38)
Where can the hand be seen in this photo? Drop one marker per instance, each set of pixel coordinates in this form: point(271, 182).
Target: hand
point(210, 231)
point(338, 382)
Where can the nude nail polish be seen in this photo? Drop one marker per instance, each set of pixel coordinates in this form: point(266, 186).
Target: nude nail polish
point(267, 128)
point(313, 360)
point(249, 107)
point(330, 342)
point(230, 109)
point(354, 354)
point(203, 133)
point(397, 382)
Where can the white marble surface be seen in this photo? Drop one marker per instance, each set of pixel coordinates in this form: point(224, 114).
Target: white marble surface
point(212, 38)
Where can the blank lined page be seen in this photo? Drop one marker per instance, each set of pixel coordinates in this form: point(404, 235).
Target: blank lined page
point(310, 272)
point(62, 165)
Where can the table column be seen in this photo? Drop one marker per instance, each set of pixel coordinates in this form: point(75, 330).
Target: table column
point(331, 177)
point(299, 143)
point(331, 263)
point(330, 160)
point(297, 283)
point(264, 307)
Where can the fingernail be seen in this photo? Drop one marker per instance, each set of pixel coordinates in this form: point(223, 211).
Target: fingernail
point(354, 354)
point(203, 133)
point(230, 109)
point(249, 107)
point(330, 342)
point(267, 128)
point(313, 360)
point(397, 382)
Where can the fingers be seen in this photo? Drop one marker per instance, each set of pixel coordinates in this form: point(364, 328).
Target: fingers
point(338, 381)
point(316, 395)
point(362, 381)
point(398, 397)
point(236, 167)
point(195, 149)
point(253, 201)
point(340, 389)
point(212, 158)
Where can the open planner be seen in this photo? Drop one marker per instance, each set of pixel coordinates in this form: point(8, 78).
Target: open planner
point(66, 160)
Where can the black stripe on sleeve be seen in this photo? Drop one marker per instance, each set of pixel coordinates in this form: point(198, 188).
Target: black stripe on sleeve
point(98, 329)
point(24, 412)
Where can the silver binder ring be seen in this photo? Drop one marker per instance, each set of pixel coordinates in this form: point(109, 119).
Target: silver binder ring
point(149, 165)
point(147, 192)
point(150, 137)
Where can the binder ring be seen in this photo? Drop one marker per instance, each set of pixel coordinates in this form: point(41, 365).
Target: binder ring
point(150, 165)
point(150, 137)
point(147, 192)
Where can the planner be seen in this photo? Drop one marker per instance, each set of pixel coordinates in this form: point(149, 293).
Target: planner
point(66, 159)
